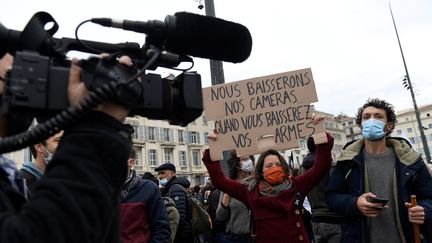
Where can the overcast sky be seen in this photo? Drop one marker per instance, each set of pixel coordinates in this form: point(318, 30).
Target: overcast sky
point(351, 46)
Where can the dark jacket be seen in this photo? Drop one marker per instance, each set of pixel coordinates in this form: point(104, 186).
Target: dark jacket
point(320, 211)
point(347, 183)
point(277, 219)
point(143, 215)
point(76, 198)
point(176, 190)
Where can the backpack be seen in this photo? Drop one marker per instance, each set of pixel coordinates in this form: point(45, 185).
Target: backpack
point(200, 221)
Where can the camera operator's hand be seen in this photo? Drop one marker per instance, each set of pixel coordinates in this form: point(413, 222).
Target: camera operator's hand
point(77, 91)
point(5, 64)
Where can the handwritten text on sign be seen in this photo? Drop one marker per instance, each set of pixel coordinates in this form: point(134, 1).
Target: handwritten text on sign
point(253, 115)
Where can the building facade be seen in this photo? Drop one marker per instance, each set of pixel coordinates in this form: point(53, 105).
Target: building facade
point(157, 142)
point(407, 127)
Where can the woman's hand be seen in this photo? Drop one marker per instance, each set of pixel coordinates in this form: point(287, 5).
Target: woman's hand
point(212, 135)
point(317, 118)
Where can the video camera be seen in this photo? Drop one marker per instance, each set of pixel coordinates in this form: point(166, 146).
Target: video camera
point(36, 86)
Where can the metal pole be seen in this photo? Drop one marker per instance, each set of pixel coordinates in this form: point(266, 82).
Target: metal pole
point(216, 67)
point(416, 110)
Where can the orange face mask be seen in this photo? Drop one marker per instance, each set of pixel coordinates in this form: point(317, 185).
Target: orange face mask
point(274, 175)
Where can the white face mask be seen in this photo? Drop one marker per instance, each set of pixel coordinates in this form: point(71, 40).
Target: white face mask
point(247, 166)
point(49, 157)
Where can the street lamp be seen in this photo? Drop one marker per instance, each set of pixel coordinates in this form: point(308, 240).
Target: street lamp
point(408, 85)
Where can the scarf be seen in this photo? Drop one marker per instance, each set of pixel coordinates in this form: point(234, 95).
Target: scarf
point(265, 188)
point(129, 184)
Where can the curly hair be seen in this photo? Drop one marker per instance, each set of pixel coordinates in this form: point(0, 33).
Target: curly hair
point(379, 104)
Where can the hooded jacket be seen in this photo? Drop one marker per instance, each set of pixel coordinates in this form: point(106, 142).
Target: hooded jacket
point(175, 189)
point(143, 215)
point(31, 173)
point(347, 183)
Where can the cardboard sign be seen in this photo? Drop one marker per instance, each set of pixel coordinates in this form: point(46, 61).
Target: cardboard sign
point(270, 112)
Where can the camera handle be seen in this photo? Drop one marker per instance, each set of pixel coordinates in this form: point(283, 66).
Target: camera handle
point(98, 95)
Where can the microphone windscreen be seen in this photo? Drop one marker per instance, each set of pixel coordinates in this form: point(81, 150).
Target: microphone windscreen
point(208, 37)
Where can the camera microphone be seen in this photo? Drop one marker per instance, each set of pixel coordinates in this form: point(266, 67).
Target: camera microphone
point(193, 34)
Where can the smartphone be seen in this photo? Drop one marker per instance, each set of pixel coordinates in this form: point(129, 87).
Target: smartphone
point(383, 201)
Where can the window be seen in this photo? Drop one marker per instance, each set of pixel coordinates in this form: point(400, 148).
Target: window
point(412, 140)
point(138, 156)
point(167, 134)
point(135, 134)
point(152, 157)
point(182, 159)
point(180, 136)
point(196, 157)
point(206, 138)
point(399, 132)
point(168, 154)
point(430, 125)
point(152, 133)
point(199, 180)
point(194, 137)
point(138, 132)
point(409, 130)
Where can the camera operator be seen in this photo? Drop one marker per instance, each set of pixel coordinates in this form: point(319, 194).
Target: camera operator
point(76, 198)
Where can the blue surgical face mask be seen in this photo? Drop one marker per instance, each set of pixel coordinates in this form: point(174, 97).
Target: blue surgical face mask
point(163, 182)
point(247, 166)
point(49, 156)
point(373, 129)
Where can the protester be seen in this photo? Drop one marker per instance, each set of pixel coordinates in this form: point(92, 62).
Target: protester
point(325, 223)
point(77, 198)
point(378, 165)
point(211, 203)
point(175, 188)
point(42, 153)
point(272, 197)
point(233, 212)
point(149, 176)
point(196, 193)
point(143, 214)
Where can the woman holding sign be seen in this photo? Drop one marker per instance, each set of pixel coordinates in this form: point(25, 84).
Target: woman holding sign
point(274, 197)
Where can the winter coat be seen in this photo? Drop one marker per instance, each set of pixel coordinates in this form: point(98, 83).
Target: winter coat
point(143, 217)
point(175, 191)
point(347, 183)
point(236, 216)
point(320, 211)
point(76, 198)
point(173, 216)
point(276, 218)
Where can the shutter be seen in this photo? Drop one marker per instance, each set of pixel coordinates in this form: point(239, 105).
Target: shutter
point(147, 133)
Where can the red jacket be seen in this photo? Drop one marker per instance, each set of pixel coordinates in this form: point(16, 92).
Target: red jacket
point(276, 218)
